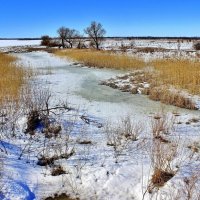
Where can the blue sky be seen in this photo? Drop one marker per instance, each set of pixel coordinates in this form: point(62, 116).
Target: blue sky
point(33, 18)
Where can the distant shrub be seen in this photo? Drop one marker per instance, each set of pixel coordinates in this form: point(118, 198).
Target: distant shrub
point(197, 46)
point(46, 40)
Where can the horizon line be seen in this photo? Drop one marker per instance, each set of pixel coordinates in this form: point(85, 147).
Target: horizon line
point(134, 37)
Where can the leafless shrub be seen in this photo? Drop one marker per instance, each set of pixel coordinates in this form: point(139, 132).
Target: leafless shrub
point(54, 149)
point(162, 124)
point(45, 136)
point(163, 152)
point(131, 130)
point(121, 135)
point(162, 157)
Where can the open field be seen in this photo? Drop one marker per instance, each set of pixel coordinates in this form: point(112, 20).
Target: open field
point(11, 43)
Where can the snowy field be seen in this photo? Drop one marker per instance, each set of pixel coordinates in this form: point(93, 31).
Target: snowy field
point(104, 163)
point(147, 49)
point(12, 43)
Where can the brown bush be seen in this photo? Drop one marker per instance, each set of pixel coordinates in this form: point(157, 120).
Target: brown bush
point(58, 170)
point(159, 178)
point(197, 46)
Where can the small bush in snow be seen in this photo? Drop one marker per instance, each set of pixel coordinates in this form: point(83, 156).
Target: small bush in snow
point(58, 170)
point(197, 46)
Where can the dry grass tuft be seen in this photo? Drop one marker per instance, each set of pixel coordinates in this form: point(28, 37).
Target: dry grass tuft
point(61, 197)
point(58, 170)
point(102, 59)
point(12, 78)
point(159, 178)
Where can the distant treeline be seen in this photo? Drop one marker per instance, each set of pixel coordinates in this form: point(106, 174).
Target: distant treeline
point(118, 37)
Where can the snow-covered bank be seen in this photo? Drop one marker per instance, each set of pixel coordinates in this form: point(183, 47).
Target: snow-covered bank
point(138, 82)
point(92, 172)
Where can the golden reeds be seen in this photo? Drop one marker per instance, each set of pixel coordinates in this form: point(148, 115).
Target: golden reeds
point(11, 78)
point(182, 74)
point(102, 59)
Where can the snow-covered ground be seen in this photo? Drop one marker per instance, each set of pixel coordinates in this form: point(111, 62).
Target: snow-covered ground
point(139, 43)
point(92, 172)
point(11, 43)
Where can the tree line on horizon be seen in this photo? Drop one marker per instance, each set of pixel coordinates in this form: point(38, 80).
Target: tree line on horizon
point(68, 37)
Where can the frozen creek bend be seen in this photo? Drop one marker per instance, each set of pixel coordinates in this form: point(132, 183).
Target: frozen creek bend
point(80, 87)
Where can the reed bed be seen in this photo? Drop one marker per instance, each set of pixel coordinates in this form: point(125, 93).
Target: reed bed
point(102, 59)
point(182, 74)
point(12, 78)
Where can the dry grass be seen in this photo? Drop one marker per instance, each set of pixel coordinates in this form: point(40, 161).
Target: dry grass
point(162, 157)
point(165, 95)
point(61, 197)
point(182, 74)
point(102, 59)
point(159, 178)
point(12, 78)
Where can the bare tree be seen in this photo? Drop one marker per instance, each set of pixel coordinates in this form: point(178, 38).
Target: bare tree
point(62, 35)
point(80, 41)
point(96, 32)
point(70, 36)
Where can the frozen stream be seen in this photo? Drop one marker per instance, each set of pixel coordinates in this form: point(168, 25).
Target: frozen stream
point(80, 87)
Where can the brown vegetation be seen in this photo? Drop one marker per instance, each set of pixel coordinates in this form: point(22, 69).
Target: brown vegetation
point(182, 74)
point(60, 197)
point(12, 78)
point(175, 98)
point(102, 59)
point(159, 178)
point(58, 170)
